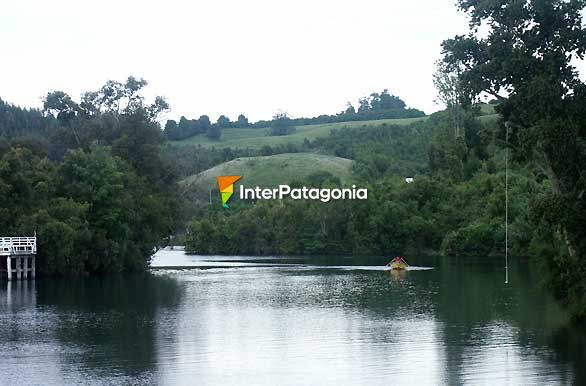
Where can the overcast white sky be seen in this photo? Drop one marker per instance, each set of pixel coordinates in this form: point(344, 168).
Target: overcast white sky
point(307, 57)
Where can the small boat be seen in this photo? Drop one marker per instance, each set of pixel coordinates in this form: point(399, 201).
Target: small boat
point(398, 264)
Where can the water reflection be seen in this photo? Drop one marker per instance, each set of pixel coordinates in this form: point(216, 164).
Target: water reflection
point(398, 276)
point(300, 321)
point(90, 330)
point(457, 324)
point(16, 295)
point(496, 332)
point(295, 327)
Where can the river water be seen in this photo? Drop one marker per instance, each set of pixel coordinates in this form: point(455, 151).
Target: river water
point(295, 321)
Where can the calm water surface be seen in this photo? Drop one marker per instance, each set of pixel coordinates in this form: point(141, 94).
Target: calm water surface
point(269, 321)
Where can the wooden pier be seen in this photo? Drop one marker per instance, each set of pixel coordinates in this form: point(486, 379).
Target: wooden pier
point(18, 256)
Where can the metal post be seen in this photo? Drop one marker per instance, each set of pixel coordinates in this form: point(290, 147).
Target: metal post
point(507, 206)
point(9, 268)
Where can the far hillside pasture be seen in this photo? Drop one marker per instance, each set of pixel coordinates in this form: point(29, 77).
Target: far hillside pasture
point(271, 171)
point(255, 138)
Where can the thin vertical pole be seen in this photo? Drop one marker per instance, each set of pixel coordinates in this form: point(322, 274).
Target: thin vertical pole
point(25, 271)
point(33, 271)
point(18, 268)
point(507, 207)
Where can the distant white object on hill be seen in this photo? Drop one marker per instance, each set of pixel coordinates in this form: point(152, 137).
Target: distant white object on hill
point(409, 180)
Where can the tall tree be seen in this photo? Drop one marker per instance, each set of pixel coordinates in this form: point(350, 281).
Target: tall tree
point(447, 84)
point(223, 122)
point(349, 109)
point(242, 121)
point(205, 123)
point(171, 129)
point(523, 56)
point(281, 124)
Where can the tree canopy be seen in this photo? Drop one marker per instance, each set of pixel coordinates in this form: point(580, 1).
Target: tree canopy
point(99, 195)
point(523, 56)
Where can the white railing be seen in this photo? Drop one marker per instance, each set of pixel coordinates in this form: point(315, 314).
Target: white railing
point(10, 246)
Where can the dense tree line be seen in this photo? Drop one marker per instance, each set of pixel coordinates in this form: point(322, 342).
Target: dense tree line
point(97, 191)
point(189, 127)
point(376, 106)
point(19, 122)
point(186, 127)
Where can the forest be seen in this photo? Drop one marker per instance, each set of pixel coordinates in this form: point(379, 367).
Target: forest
point(99, 182)
point(454, 206)
point(89, 178)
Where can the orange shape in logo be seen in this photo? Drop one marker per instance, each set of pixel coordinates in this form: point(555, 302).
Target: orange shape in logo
point(224, 182)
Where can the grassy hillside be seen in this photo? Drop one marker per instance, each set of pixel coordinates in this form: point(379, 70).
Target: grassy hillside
point(273, 170)
point(256, 138)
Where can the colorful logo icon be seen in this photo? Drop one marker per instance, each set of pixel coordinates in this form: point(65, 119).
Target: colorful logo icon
point(226, 185)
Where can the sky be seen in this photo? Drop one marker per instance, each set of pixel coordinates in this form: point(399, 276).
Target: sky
point(306, 57)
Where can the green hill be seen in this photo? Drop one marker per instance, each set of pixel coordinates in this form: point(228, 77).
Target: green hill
point(273, 170)
point(258, 137)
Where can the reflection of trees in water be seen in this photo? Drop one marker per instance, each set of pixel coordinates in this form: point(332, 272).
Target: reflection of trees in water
point(468, 300)
point(569, 343)
point(111, 319)
point(474, 306)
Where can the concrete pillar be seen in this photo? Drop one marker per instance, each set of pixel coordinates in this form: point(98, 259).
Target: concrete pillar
point(26, 267)
point(33, 268)
point(18, 268)
point(9, 268)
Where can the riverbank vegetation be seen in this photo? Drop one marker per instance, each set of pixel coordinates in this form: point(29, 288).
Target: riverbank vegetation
point(526, 61)
point(90, 181)
point(455, 204)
